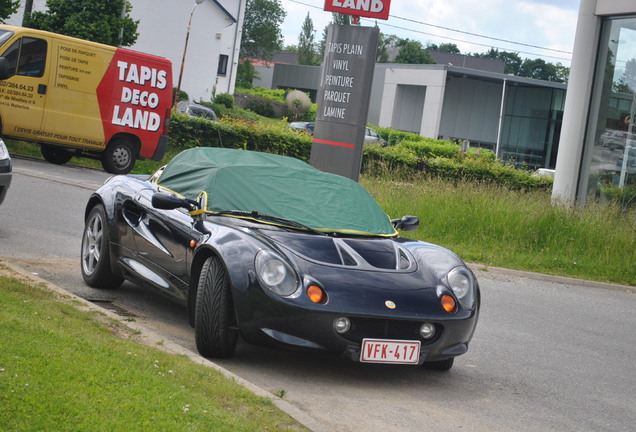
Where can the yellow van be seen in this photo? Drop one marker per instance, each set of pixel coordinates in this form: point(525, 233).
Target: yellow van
point(80, 98)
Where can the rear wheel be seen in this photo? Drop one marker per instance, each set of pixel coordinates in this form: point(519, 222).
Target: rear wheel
point(440, 365)
point(95, 252)
point(215, 325)
point(119, 157)
point(55, 155)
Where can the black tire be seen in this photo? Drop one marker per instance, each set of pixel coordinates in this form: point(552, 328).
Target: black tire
point(440, 365)
point(215, 326)
point(95, 253)
point(55, 155)
point(119, 157)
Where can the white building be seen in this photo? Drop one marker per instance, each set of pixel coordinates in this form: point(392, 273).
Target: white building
point(213, 45)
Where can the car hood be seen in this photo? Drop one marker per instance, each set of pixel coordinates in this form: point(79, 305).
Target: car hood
point(378, 254)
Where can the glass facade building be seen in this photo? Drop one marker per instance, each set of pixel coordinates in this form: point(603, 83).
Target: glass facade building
point(609, 158)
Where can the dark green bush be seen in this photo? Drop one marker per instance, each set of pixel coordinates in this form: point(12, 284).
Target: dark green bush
point(182, 95)
point(224, 99)
point(187, 132)
point(261, 107)
point(429, 148)
point(309, 116)
point(446, 160)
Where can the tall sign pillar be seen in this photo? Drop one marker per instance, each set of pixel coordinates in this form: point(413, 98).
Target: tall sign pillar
point(345, 89)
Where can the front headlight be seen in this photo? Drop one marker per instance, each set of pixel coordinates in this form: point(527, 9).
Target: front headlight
point(4, 153)
point(275, 274)
point(461, 281)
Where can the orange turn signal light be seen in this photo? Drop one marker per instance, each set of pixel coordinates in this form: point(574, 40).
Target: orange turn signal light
point(316, 294)
point(448, 303)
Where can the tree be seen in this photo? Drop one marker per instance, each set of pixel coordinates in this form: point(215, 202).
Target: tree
point(412, 53)
point(8, 8)
point(245, 74)
point(94, 20)
point(306, 44)
point(540, 69)
point(562, 73)
point(336, 18)
point(261, 29)
point(511, 59)
point(341, 19)
point(627, 82)
point(445, 48)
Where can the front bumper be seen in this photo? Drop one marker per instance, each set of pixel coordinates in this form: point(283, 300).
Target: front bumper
point(293, 327)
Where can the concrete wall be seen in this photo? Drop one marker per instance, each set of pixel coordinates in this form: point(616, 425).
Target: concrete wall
point(433, 79)
point(577, 103)
point(300, 77)
point(615, 7)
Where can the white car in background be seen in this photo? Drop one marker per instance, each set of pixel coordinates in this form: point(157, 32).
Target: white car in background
point(5, 170)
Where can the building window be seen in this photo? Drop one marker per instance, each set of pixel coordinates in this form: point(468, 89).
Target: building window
point(222, 70)
point(532, 126)
point(609, 158)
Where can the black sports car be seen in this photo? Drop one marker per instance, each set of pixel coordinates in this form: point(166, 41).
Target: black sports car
point(271, 249)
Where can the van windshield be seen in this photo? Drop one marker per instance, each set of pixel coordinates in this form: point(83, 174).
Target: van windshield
point(4, 36)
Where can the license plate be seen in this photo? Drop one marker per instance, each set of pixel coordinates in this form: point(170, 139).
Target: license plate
point(390, 351)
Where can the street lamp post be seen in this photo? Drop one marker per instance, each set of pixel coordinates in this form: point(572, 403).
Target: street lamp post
point(185, 49)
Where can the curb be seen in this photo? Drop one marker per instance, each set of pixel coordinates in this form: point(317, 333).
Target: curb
point(498, 271)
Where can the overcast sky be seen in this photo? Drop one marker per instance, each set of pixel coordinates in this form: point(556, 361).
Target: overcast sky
point(533, 28)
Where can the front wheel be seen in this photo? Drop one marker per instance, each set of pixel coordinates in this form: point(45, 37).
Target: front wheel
point(95, 254)
point(55, 155)
point(119, 157)
point(215, 324)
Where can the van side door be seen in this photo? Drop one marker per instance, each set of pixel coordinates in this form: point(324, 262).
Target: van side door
point(23, 94)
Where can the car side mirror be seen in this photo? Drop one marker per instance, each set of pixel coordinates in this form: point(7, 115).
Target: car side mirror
point(164, 201)
point(407, 223)
point(4, 69)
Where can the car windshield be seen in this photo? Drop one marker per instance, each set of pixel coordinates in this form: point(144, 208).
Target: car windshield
point(274, 189)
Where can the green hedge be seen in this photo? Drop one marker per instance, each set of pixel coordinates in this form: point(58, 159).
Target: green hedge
point(187, 132)
point(420, 156)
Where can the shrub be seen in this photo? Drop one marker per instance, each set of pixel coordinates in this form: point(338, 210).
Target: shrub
point(240, 133)
point(183, 96)
point(224, 99)
point(261, 107)
point(274, 94)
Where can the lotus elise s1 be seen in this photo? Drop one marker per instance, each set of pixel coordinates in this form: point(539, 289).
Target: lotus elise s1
point(270, 249)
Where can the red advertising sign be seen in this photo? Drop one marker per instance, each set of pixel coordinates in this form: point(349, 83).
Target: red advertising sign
point(378, 9)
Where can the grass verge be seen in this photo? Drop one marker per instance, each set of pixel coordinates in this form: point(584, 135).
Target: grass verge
point(64, 368)
point(519, 230)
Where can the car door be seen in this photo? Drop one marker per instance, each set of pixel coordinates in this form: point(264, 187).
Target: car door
point(162, 243)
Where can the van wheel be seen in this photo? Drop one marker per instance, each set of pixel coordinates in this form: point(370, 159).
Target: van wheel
point(55, 155)
point(119, 157)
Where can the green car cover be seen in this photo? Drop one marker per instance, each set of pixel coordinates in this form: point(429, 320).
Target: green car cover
point(239, 181)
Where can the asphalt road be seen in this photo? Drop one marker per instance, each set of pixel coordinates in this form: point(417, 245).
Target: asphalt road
point(548, 354)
